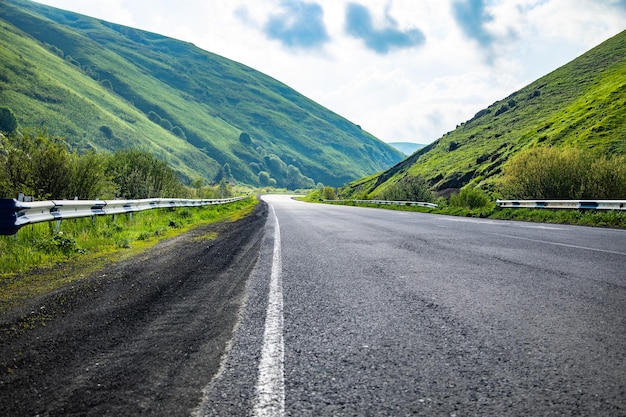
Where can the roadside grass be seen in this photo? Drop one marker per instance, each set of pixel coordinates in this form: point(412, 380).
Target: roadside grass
point(41, 258)
point(597, 218)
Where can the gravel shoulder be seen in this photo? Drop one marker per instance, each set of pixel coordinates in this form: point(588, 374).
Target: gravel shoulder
point(144, 336)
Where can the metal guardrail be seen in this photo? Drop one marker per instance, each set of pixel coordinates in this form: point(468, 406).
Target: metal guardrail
point(386, 202)
point(564, 204)
point(15, 214)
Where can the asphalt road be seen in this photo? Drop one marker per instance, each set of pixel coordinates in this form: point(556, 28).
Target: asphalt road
point(365, 312)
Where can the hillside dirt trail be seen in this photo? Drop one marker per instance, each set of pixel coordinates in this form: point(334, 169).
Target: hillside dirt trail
point(144, 336)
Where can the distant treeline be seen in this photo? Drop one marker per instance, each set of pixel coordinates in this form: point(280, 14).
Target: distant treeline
point(45, 167)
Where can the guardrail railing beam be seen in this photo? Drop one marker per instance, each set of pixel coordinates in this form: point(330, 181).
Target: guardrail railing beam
point(564, 204)
point(15, 214)
point(387, 202)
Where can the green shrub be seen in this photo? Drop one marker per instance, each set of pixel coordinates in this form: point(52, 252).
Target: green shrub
point(569, 173)
point(59, 243)
point(545, 173)
point(245, 138)
point(106, 131)
point(329, 193)
point(138, 175)
point(8, 121)
point(606, 179)
point(264, 178)
point(408, 189)
point(470, 198)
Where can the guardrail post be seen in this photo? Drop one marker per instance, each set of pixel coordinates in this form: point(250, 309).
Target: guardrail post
point(8, 216)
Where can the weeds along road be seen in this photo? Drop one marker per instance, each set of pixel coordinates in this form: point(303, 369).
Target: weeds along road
point(339, 311)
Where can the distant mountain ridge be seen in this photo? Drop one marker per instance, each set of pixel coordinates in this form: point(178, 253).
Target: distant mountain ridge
point(105, 86)
point(582, 105)
point(406, 147)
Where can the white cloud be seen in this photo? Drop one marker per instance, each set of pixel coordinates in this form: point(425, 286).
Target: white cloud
point(415, 93)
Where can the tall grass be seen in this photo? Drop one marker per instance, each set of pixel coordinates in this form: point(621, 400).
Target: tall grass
point(563, 173)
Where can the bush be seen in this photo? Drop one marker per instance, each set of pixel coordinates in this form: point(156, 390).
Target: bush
point(35, 164)
point(8, 121)
point(470, 198)
point(138, 175)
point(328, 193)
point(606, 179)
point(106, 131)
point(545, 173)
point(45, 167)
point(264, 178)
point(552, 173)
point(90, 178)
point(245, 138)
point(408, 189)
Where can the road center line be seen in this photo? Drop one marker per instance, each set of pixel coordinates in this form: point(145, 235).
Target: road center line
point(270, 388)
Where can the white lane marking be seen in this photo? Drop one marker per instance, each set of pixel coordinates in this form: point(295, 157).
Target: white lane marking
point(270, 387)
point(543, 227)
point(558, 244)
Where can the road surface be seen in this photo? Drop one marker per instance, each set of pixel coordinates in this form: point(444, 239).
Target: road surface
point(385, 313)
point(319, 310)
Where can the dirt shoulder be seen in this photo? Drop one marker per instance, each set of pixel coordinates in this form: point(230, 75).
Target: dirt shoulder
point(143, 336)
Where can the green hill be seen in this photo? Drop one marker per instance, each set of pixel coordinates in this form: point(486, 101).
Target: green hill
point(104, 86)
point(581, 105)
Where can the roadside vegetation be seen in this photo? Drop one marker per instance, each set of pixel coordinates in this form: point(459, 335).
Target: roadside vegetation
point(37, 164)
point(45, 167)
point(44, 256)
point(535, 174)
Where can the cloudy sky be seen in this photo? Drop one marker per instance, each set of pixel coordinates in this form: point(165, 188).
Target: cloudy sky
point(405, 70)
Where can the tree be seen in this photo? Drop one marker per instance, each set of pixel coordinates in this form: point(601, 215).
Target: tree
point(227, 172)
point(264, 178)
point(8, 121)
point(35, 164)
point(90, 178)
point(219, 176)
point(138, 175)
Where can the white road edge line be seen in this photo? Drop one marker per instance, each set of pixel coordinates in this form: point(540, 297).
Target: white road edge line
point(270, 387)
point(559, 244)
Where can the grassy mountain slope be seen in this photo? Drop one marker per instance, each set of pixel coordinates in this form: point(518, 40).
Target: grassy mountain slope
point(582, 104)
point(107, 86)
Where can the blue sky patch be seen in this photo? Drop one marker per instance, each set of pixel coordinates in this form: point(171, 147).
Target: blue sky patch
point(359, 24)
point(471, 15)
point(298, 25)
